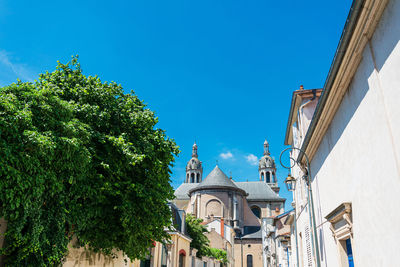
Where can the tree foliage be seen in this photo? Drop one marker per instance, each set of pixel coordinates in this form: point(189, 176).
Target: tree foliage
point(219, 254)
point(197, 231)
point(79, 157)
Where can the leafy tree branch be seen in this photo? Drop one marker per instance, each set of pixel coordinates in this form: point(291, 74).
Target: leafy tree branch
point(79, 157)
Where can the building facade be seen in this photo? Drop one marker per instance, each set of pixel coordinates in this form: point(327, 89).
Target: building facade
point(176, 253)
point(232, 211)
point(352, 140)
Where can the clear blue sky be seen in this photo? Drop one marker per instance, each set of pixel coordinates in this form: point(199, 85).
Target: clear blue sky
point(218, 72)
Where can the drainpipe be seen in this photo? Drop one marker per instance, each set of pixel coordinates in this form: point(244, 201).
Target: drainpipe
point(295, 232)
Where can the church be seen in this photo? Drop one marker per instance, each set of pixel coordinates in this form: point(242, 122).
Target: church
point(233, 212)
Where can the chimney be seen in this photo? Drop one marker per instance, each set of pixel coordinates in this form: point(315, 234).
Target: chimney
point(222, 227)
point(301, 87)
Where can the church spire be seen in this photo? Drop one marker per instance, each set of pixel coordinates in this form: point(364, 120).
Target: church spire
point(194, 169)
point(266, 147)
point(194, 150)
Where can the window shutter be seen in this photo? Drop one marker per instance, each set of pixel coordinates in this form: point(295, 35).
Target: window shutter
point(308, 246)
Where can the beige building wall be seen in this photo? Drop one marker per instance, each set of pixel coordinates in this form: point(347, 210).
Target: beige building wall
point(220, 205)
point(248, 216)
point(80, 257)
point(248, 247)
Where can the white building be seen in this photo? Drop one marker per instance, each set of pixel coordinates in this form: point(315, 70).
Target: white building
point(352, 139)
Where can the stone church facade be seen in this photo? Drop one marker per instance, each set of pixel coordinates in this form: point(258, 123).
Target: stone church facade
point(233, 211)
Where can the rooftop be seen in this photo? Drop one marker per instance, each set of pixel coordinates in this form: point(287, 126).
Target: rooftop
point(216, 179)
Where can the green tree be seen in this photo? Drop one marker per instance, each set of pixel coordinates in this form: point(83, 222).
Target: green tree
point(196, 232)
point(79, 157)
point(219, 254)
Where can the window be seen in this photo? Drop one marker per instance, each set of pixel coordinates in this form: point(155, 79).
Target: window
point(257, 211)
point(308, 246)
point(164, 254)
point(192, 177)
point(181, 260)
point(349, 252)
point(198, 177)
point(213, 208)
point(262, 176)
point(268, 177)
point(249, 260)
point(145, 263)
point(182, 257)
point(342, 230)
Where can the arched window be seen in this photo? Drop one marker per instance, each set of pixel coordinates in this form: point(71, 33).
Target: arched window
point(249, 260)
point(187, 178)
point(164, 254)
point(262, 176)
point(192, 177)
point(257, 211)
point(198, 177)
point(182, 256)
point(213, 208)
point(268, 177)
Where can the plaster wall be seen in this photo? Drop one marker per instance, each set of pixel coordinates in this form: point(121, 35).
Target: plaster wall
point(305, 115)
point(358, 158)
point(282, 253)
point(264, 207)
point(228, 231)
point(179, 243)
point(79, 257)
point(182, 204)
point(250, 246)
point(245, 215)
point(207, 196)
point(249, 218)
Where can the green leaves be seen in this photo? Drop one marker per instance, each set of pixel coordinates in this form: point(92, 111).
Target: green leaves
point(80, 157)
point(196, 231)
point(219, 254)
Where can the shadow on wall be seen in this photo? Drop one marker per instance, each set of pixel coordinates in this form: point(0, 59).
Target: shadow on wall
point(355, 94)
point(386, 34)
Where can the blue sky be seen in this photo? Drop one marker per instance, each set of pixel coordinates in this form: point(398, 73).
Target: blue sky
point(218, 72)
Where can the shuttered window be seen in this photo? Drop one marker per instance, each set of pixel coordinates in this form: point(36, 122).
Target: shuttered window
point(308, 246)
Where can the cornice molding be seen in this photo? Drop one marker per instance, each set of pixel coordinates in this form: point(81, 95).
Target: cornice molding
point(347, 60)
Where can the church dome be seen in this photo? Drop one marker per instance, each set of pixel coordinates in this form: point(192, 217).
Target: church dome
point(217, 179)
point(266, 162)
point(193, 164)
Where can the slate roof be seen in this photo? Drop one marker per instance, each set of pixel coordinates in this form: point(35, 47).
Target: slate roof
point(257, 234)
point(217, 179)
point(182, 191)
point(259, 191)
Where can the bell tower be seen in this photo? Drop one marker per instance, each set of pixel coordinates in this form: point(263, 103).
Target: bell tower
point(194, 169)
point(267, 169)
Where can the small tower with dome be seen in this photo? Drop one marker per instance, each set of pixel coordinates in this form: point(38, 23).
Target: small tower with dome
point(194, 169)
point(267, 169)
